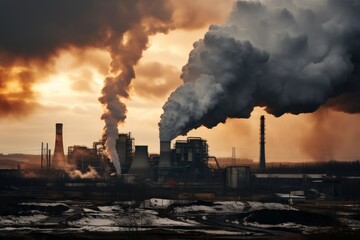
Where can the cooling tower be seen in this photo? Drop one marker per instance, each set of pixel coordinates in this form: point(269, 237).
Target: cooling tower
point(262, 143)
point(165, 154)
point(59, 156)
point(141, 164)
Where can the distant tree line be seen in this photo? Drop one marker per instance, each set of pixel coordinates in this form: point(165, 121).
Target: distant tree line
point(335, 168)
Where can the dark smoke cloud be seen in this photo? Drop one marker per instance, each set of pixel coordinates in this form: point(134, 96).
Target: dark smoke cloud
point(285, 56)
point(39, 30)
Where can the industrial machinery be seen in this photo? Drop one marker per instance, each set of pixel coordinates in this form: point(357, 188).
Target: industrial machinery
point(186, 163)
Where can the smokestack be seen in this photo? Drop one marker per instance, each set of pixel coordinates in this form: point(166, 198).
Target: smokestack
point(245, 63)
point(59, 156)
point(262, 144)
point(165, 154)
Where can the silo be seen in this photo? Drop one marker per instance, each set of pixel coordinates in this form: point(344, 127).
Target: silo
point(237, 177)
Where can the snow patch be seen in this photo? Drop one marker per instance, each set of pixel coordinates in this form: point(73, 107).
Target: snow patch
point(91, 221)
point(270, 206)
point(21, 220)
point(44, 204)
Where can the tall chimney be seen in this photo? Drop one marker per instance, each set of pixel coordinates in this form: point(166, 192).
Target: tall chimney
point(262, 144)
point(165, 154)
point(59, 156)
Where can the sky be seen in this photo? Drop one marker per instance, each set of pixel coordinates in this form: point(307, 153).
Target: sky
point(53, 72)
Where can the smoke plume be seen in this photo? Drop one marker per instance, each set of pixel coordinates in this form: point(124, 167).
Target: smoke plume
point(285, 56)
point(34, 33)
point(91, 174)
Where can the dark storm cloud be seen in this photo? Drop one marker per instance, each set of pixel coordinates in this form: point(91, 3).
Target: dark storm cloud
point(285, 56)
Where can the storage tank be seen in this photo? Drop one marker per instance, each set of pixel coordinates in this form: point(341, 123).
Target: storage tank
point(237, 177)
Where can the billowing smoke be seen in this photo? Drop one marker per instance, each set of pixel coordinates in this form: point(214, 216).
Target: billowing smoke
point(126, 50)
point(285, 56)
point(34, 33)
point(40, 30)
point(91, 174)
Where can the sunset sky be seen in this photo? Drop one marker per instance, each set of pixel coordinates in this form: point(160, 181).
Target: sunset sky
point(63, 85)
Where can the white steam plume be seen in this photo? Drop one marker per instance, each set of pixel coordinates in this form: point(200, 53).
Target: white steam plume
point(124, 56)
point(286, 56)
point(126, 47)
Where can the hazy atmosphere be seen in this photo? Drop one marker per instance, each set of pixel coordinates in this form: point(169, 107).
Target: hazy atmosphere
point(99, 65)
point(179, 119)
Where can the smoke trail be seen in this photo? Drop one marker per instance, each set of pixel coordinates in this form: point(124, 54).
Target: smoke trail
point(120, 27)
point(33, 33)
point(285, 56)
point(91, 174)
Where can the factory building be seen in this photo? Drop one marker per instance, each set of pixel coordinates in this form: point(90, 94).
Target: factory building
point(125, 151)
point(187, 163)
point(182, 169)
point(84, 158)
point(192, 152)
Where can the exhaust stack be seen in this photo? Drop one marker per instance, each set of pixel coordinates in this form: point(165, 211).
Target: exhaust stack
point(262, 165)
point(59, 156)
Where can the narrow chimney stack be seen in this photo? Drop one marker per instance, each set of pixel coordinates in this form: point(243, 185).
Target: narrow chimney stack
point(262, 144)
point(59, 156)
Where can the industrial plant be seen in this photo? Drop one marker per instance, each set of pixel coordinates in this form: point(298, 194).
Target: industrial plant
point(183, 169)
point(180, 190)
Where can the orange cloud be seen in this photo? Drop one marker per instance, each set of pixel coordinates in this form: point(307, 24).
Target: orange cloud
point(156, 80)
point(332, 136)
point(16, 96)
point(83, 81)
point(192, 14)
